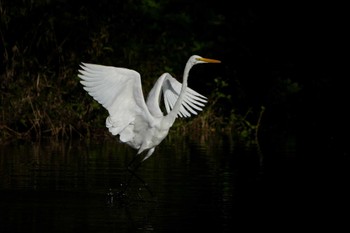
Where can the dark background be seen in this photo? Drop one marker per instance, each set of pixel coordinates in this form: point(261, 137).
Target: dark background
point(286, 57)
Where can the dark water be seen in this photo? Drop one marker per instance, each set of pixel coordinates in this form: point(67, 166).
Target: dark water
point(214, 186)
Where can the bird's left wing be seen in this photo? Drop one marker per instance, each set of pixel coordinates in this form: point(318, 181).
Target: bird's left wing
point(118, 90)
point(192, 103)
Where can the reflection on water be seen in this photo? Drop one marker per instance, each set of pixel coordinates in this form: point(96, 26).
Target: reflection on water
point(63, 187)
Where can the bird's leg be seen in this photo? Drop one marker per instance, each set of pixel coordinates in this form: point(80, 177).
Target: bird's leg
point(133, 166)
point(134, 174)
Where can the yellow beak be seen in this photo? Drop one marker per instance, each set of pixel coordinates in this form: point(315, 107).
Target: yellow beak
point(208, 60)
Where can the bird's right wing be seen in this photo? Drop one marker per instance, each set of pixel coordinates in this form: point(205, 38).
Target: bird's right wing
point(192, 102)
point(119, 91)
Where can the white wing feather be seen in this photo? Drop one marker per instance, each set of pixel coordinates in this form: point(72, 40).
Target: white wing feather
point(192, 102)
point(119, 91)
point(171, 88)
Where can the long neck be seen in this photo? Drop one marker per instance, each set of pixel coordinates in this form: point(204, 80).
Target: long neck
point(173, 113)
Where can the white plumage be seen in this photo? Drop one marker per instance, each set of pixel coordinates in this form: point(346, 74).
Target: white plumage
point(141, 124)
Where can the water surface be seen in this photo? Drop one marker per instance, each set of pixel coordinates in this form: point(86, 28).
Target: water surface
point(214, 186)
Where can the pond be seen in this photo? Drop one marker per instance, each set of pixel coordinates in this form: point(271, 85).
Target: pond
point(194, 185)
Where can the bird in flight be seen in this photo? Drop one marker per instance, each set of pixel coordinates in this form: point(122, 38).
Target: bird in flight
point(141, 124)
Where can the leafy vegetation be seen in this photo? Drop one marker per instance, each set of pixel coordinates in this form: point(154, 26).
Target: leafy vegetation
point(43, 42)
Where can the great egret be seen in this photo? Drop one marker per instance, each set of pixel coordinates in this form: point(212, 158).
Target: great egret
point(142, 125)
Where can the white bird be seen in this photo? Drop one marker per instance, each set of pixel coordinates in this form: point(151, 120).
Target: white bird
point(140, 124)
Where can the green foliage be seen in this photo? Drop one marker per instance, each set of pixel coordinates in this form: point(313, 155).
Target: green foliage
point(43, 42)
point(218, 118)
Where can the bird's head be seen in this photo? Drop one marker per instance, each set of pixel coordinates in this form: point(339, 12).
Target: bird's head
point(195, 59)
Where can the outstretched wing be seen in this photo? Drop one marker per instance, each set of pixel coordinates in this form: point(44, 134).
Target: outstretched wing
point(171, 88)
point(119, 91)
